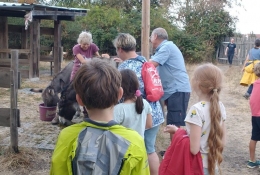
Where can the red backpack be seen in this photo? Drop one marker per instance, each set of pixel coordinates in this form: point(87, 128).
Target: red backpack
point(152, 81)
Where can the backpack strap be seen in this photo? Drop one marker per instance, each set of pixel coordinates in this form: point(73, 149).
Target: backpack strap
point(139, 58)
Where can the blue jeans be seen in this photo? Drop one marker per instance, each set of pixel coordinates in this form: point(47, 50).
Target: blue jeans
point(250, 88)
point(230, 58)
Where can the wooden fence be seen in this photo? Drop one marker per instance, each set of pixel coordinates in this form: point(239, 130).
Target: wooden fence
point(23, 61)
point(243, 45)
point(10, 117)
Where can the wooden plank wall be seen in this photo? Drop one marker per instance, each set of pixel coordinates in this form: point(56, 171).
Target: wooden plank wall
point(29, 61)
point(243, 44)
point(5, 76)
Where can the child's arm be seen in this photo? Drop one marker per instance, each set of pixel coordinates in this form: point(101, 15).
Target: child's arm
point(171, 129)
point(195, 135)
point(244, 65)
point(149, 121)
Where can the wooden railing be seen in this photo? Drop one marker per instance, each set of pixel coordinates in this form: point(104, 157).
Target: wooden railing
point(23, 63)
point(10, 117)
point(49, 57)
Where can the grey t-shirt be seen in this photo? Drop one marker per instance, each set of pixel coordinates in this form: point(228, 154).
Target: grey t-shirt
point(126, 115)
point(254, 54)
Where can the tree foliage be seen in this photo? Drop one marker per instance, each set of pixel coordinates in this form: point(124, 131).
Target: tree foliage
point(208, 22)
point(195, 26)
point(104, 24)
point(126, 5)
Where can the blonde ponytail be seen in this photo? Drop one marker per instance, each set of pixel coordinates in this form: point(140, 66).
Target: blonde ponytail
point(215, 135)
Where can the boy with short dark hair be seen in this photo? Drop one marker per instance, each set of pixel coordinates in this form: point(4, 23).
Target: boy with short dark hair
point(255, 110)
point(98, 145)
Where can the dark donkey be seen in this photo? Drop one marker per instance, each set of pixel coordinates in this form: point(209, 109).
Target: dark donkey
point(50, 93)
point(68, 105)
point(56, 86)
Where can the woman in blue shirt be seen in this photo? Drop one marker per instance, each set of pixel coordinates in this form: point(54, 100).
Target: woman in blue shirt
point(125, 45)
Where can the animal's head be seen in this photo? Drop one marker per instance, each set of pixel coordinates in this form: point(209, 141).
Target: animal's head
point(67, 105)
point(49, 96)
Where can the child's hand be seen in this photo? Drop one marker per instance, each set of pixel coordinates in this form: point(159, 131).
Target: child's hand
point(171, 129)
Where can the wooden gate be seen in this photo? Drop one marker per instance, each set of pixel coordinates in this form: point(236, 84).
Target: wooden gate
point(243, 45)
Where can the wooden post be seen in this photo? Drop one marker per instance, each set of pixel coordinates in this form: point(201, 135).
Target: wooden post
point(57, 47)
point(61, 54)
point(24, 39)
point(35, 48)
point(217, 54)
point(145, 48)
point(3, 36)
point(13, 96)
point(36, 61)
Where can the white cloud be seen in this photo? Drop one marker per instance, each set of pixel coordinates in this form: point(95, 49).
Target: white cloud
point(248, 16)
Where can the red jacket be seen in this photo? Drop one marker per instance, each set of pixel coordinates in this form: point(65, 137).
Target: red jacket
point(178, 159)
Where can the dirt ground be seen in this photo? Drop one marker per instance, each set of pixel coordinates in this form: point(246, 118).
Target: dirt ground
point(37, 138)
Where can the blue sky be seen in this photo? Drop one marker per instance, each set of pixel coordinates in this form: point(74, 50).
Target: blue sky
point(248, 16)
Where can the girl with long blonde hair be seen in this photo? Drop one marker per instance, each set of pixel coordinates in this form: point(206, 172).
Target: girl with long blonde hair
point(205, 121)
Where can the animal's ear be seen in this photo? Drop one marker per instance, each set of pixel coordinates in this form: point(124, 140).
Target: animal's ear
point(62, 84)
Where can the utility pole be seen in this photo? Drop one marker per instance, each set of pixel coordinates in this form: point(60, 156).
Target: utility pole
point(145, 46)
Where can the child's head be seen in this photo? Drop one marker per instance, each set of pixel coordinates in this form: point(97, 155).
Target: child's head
point(98, 85)
point(207, 79)
point(257, 69)
point(130, 85)
point(257, 42)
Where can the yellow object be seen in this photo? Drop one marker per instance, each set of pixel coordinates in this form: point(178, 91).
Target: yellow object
point(249, 76)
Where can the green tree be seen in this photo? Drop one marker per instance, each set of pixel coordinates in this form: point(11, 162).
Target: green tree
point(104, 24)
point(208, 22)
point(201, 23)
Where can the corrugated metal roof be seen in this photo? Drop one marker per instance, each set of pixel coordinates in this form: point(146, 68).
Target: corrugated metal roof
point(40, 10)
point(21, 6)
point(6, 5)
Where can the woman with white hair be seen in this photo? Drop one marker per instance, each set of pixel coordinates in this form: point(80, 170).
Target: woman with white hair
point(84, 51)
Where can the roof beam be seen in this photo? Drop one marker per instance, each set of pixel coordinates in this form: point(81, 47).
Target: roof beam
point(57, 13)
point(12, 13)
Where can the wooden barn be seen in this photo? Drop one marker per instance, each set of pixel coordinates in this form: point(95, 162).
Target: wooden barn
point(29, 51)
